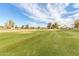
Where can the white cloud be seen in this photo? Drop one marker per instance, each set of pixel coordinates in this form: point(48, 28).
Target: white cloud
point(75, 16)
point(34, 10)
point(38, 19)
point(76, 5)
point(54, 11)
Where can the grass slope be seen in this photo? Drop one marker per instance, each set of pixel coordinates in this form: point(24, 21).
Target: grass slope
point(46, 43)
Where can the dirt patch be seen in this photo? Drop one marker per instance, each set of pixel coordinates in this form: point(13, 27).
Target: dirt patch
point(28, 30)
point(23, 31)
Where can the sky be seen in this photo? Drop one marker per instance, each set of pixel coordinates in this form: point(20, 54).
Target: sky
point(39, 14)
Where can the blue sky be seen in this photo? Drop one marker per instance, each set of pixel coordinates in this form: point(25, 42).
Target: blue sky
point(39, 14)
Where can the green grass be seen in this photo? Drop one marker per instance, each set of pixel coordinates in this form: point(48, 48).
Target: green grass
point(40, 43)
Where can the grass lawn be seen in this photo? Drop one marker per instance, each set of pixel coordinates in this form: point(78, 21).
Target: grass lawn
point(40, 43)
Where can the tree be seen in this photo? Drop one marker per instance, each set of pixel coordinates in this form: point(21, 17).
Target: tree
point(9, 24)
point(26, 26)
point(76, 24)
point(32, 27)
point(1, 27)
point(16, 27)
point(55, 25)
point(38, 27)
point(49, 25)
point(22, 27)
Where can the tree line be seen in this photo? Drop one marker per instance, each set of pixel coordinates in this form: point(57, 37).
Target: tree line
point(57, 26)
point(11, 25)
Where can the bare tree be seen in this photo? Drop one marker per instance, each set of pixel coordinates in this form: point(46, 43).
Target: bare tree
point(9, 24)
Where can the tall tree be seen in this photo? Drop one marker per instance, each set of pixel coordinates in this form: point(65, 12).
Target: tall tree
point(16, 27)
point(38, 27)
point(22, 27)
point(55, 25)
point(49, 25)
point(9, 24)
point(27, 26)
point(76, 24)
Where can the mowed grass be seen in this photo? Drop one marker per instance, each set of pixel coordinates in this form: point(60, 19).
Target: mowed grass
point(40, 43)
